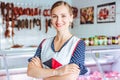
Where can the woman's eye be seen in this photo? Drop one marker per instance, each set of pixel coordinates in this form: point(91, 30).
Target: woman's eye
point(63, 16)
point(54, 16)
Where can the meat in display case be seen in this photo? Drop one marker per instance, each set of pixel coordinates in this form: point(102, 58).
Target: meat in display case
point(103, 62)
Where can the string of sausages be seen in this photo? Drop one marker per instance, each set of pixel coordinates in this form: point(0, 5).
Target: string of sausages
point(10, 12)
point(28, 23)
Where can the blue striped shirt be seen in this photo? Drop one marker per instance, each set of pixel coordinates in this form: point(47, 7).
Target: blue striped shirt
point(77, 58)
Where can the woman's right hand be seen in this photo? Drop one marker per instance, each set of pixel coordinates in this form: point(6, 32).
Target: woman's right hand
point(67, 72)
point(68, 69)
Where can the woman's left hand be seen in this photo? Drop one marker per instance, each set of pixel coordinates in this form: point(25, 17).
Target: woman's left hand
point(36, 61)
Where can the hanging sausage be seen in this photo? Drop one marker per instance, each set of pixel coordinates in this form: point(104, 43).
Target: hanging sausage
point(13, 25)
point(31, 12)
point(16, 12)
point(31, 23)
point(19, 24)
point(38, 23)
point(11, 6)
point(2, 8)
point(26, 23)
point(75, 12)
point(7, 9)
point(22, 23)
point(20, 11)
point(27, 11)
point(49, 22)
point(2, 11)
point(39, 11)
point(34, 22)
point(7, 31)
point(46, 12)
point(36, 11)
point(46, 25)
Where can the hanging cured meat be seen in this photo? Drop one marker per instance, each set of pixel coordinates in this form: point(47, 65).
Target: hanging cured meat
point(26, 23)
point(2, 11)
point(27, 11)
point(11, 13)
point(20, 11)
point(16, 12)
point(36, 12)
point(22, 23)
point(75, 12)
point(11, 6)
point(2, 8)
point(49, 22)
point(34, 22)
point(38, 23)
point(39, 11)
point(13, 25)
point(31, 12)
point(46, 12)
point(18, 24)
point(31, 23)
point(46, 25)
point(8, 9)
point(7, 32)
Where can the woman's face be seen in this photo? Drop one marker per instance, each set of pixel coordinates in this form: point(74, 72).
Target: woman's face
point(61, 17)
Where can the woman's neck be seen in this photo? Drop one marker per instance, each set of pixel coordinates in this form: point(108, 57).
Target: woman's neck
point(63, 36)
point(60, 40)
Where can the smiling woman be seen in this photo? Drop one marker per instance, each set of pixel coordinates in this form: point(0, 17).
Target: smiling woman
point(61, 18)
point(60, 57)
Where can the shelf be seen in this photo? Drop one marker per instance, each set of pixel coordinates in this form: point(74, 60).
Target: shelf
point(103, 47)
point(91, 62)
point(108, 48)
point(14, 51)
point(13, 71)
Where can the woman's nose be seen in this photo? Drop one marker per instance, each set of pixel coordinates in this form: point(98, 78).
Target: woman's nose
point(59, 19)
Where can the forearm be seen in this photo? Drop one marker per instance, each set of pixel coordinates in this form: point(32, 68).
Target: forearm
point(38, 72)
point(63, 77)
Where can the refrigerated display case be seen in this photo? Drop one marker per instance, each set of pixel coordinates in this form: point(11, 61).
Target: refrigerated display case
point(14, 63)
point(98, 58)
point(103, 62)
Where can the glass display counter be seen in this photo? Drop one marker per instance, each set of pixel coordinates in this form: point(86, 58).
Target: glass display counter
point(98, 58)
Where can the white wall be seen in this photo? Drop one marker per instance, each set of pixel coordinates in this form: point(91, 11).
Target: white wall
point(28, 37)
point(88, 30)
point(34, 3)
point(34, 36)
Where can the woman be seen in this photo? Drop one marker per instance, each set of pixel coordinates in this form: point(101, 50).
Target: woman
point(60, 57)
